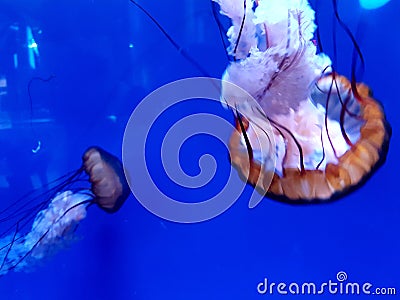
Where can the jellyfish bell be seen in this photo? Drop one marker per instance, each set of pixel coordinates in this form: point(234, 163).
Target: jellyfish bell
point(57, 212)
point(107, 177)
point(330, 134)
point(330, 167)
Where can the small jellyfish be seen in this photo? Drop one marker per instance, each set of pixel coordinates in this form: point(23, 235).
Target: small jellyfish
point(57, 212)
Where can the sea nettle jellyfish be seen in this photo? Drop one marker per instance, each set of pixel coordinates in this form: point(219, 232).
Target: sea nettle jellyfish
point(57, 212)
point(326, 134)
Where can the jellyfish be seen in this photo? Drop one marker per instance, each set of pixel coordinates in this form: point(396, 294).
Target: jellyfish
point(328, 134)
point(56, 213)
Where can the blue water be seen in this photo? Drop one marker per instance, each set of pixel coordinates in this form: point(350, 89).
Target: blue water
point(106, 56)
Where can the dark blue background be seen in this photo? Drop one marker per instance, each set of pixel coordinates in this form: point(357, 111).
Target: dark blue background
point(134, 254)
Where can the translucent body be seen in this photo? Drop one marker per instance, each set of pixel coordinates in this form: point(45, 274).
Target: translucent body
point(52, 229)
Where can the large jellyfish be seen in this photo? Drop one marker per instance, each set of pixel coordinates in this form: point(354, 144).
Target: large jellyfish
point(330, 133)
point(56, 218)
